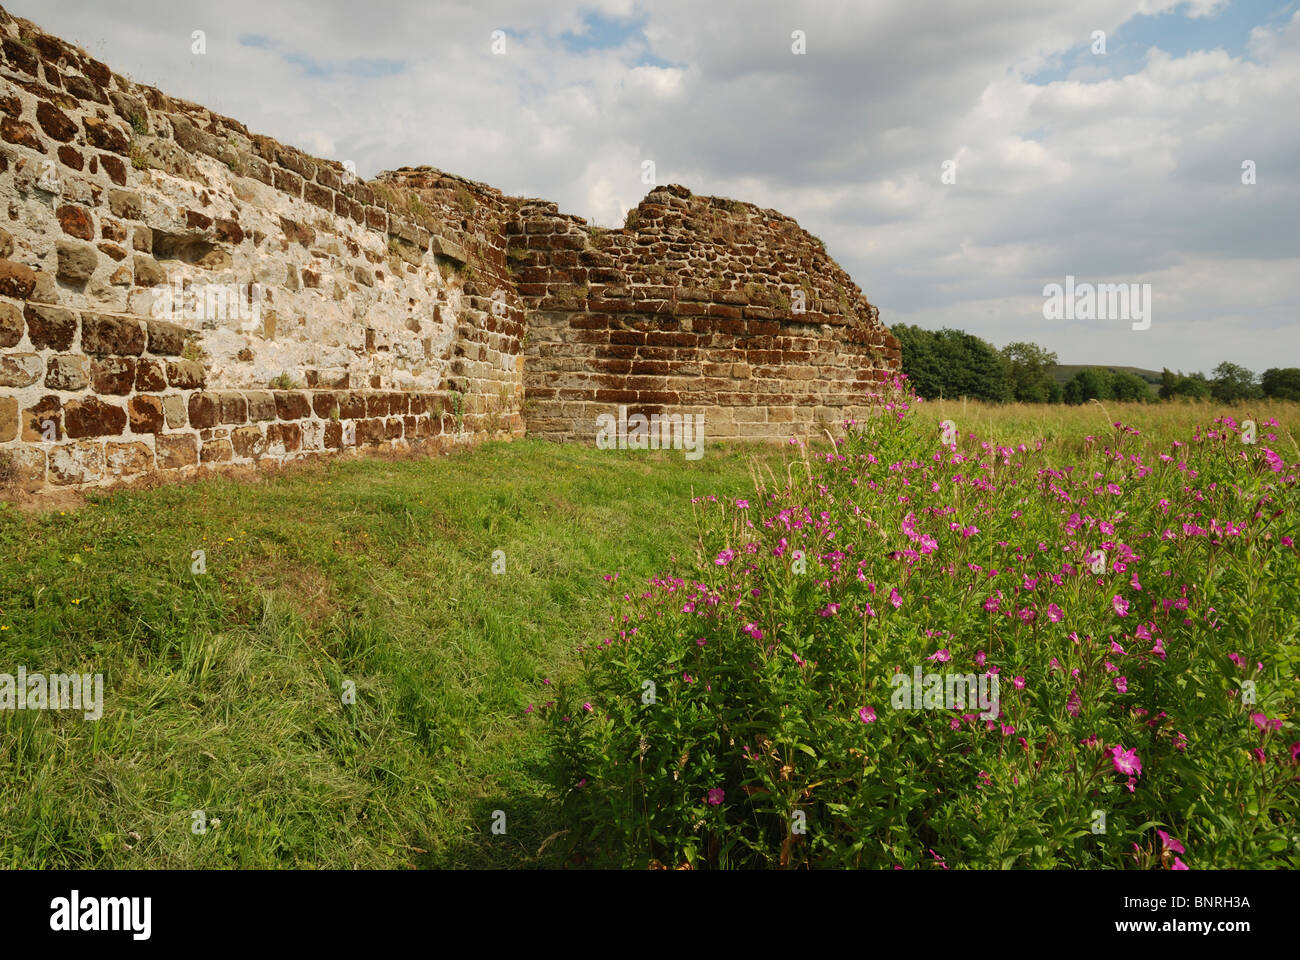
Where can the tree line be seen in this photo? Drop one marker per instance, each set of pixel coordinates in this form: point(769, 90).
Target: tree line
point(954, 363)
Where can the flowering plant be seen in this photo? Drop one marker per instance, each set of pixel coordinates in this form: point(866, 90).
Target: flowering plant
point(1140, 606)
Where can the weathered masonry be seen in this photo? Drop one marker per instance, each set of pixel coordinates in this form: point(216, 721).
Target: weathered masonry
point(701, 305)
point(176, 292)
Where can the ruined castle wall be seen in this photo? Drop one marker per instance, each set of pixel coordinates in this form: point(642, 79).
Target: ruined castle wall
point(468, 224)
point(699, 305)
point(177, 291)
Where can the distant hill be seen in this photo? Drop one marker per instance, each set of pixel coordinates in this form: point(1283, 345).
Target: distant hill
point(1062, 372)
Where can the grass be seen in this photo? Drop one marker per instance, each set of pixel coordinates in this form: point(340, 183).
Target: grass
point(1069, 426)
point(223, 691)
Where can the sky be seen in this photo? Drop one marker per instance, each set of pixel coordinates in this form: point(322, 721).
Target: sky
point(955, 157)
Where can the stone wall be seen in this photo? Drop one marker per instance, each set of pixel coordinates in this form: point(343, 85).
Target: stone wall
point(700, 305)
point(177, 292)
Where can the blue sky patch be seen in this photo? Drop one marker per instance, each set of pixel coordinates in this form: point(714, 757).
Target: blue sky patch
point(607, 33)
point(1176, 33)
point(365, 68)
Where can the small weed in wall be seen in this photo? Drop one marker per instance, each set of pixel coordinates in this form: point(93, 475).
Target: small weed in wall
point(284, 382)
point(458, 410)
point(464, 199)
point(8, 468)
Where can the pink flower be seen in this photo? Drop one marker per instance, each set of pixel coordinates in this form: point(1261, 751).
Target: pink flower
point(942, 656)
point(582, 783)
point(587, 707)
point(1170, 843)
point(1072, 705)
point(725, 557)
point(701, 642)
point(1295, 752)
point(867, 715)
point(1120, 605)
point(1261, 756)
point(1159, 648)
point(716, 796)
point(1121, 684)
point(1265, 724)
point(1179, 865)
point(1018, 682)
point(1126, 761)
point(1054, 613)
point(528, 709)
point(894, 598)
